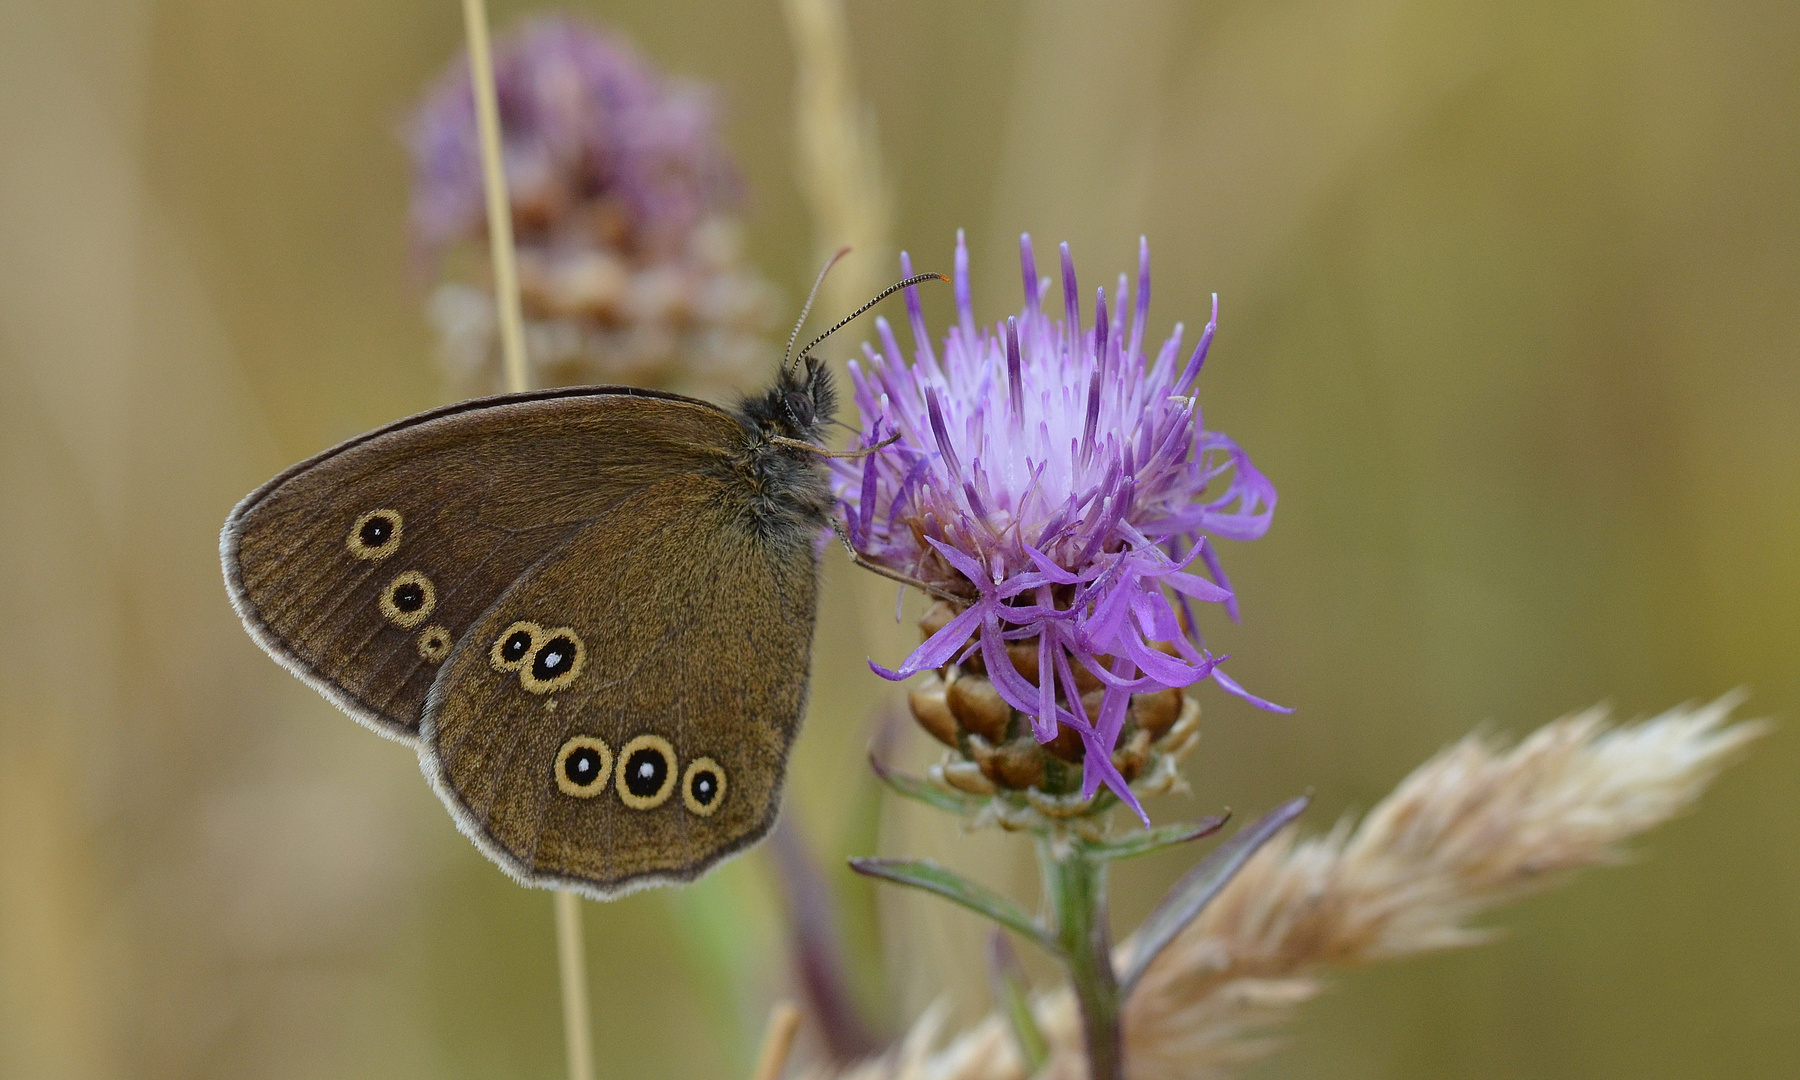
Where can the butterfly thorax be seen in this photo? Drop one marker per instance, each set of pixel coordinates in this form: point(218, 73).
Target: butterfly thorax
point(792, 500)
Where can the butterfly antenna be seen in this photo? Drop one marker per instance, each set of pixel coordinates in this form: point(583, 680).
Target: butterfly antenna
point(806, 309)
point(879, 297)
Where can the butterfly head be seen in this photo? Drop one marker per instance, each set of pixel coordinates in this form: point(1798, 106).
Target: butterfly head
point(800, 404)
point(803, 400)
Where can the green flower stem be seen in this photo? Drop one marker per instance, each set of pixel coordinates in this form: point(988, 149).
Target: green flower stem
point(1075, 886)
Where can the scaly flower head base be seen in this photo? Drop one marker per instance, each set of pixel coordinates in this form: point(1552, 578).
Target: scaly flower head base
point(1057, 477)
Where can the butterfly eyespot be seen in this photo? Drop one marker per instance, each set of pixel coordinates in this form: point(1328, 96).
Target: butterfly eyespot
point(434, 643)
point(583, 766)
point(556, 658)
point(408, 599)
point(703, 786)
point(646, 772)
point(514, 645)
point(376, 535)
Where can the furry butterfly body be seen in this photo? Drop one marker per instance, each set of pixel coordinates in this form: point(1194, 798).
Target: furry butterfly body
point(591, 610)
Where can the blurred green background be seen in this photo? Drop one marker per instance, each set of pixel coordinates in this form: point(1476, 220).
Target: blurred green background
point(1510, 314)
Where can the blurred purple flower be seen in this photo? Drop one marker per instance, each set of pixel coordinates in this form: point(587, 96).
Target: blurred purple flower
point(624, 203)
point(1059, 478)
point(586, 123)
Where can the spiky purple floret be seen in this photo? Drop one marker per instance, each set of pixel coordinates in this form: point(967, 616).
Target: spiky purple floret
point(1064, 474)
point(584, 118)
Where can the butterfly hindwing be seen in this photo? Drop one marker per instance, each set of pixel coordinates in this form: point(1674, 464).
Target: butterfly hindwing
point(641, 733)
point(361, 569)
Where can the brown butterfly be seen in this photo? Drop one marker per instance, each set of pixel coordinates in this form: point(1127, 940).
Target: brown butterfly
point(591, 609)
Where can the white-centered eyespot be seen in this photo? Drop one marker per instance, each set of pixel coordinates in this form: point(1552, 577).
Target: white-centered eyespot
point(376, 535)
point(703, 786)
point(408, 599)
point(646, 772)
point(513, 645)
point(583, 766)
point(434, 643)
point(556, 659)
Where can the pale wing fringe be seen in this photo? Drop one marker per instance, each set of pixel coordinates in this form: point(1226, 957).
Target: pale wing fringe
point(1478, 825)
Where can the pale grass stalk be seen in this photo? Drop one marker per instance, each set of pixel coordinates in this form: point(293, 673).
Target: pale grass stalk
point(499, 208)
point(571, 962)
point(777, 1042)
point(1479, 825)
point(840, 174)
point(840, 156)
point(571, 954)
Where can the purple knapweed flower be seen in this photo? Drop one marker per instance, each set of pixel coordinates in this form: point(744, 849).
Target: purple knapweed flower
point(1056, 478)
point(587, 125)
point(624, 211)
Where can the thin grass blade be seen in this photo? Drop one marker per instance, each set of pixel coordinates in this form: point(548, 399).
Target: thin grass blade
point(927, 875)
point(1148, 840)
point(1195, 890)
point(919, 790)
point(1007, 977)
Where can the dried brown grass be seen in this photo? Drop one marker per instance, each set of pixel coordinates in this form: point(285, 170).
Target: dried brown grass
point(1479, 825)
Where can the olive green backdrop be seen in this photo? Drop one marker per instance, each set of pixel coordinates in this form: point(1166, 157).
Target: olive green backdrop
point(1510, 314)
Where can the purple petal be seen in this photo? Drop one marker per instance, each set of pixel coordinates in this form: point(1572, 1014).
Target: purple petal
point(1100, 330)
point(939, 647)
point(1028, 267)
point(1162, 667)
point(890, 348)
point(965, 565)
point(939, 432)
point(975, 502)
point(1217, 570)
point(1134, 684)
point(1014, 688)
point(1198, 360)
point(1044, 723)
point(1231, 686)
point(871, 476)
point(1109, 615)
point(1022, 583)
point(1092, 423)
point(887, 673)
point(1015, 386)
point(1112, 707)
point(1143, 297)
point(1154, 616)
point(1197, 587)
point(915, 315)
point(964, 310)
point(1049, 569)
point(1071, 301)
point(1071, 692)
point(1097, 769)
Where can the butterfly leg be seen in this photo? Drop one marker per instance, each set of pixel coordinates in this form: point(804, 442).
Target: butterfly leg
point(844, 455)
point(892, 575)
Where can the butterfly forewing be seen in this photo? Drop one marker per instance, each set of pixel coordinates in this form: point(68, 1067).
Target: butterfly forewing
point(363, 568)
point(668, 645)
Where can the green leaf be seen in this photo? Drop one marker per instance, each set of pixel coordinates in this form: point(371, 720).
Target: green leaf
point(1142, 843)
point(1198, 887)
point(1007, 977)
point(927, 875)
point(921, 791)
